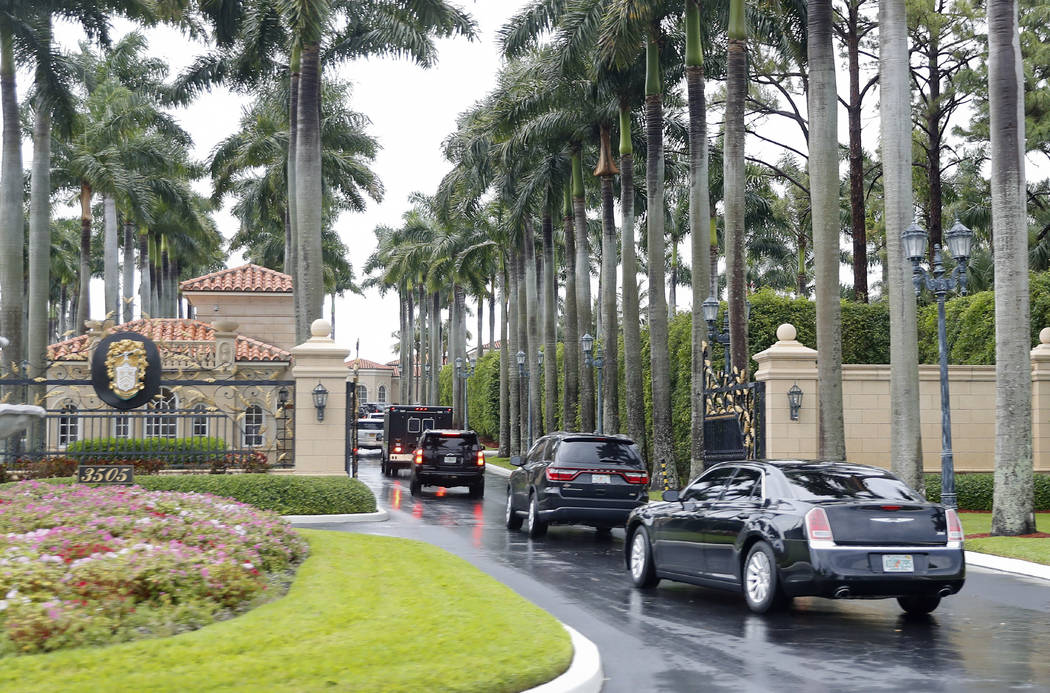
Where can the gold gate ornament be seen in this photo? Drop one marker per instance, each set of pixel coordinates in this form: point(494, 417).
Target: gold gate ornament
point(126, 367)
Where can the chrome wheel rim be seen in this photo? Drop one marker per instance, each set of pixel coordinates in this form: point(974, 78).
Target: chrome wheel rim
point(638, 556)
point(510, 507)
point(532, 514)
point(759, 577)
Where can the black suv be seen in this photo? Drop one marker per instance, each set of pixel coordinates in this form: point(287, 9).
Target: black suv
point(449, 458)
point(576, 478)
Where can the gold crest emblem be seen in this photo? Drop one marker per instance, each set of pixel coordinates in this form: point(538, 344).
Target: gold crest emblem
point(126, 367)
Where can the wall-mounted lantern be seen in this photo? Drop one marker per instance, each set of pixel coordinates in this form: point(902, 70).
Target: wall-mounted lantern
point(795, 400)
point(320, 400)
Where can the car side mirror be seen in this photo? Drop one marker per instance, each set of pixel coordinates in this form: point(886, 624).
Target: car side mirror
point(516, 461)
point(670, 495)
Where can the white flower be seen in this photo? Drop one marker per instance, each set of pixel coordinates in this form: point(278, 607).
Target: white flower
point(12, 594)
point(247, 565)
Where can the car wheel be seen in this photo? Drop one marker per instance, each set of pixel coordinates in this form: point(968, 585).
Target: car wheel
point(513, 519)
point(535, 526)
point(415, 486)
point(643, 572)
point(477, 489)
point(762, 589)
point(919, 605)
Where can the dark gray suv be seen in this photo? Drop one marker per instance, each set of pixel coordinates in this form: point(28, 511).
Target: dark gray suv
point(449, 458)
point(576, 478)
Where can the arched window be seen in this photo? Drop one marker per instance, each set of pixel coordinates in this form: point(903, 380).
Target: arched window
point(253, 423)
point(68, 425)
point(162, 426)
point(381, 397)
point(199, 422)
point(362, 393)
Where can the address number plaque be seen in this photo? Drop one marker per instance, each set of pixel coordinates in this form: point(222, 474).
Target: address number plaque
point(119, 474)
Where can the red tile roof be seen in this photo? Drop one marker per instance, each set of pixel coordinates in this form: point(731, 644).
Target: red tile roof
point(171, 330)
point(247, 278)
point(365, 363)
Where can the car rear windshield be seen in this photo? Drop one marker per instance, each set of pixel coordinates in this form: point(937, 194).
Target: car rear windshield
point(823, 484)
point(370, 425)
point(593, 451)
point(450, 444)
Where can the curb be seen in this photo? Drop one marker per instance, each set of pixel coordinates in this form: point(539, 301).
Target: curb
point(1008, 565)
point(496, 469)
point(584, 674)
point(379, 516)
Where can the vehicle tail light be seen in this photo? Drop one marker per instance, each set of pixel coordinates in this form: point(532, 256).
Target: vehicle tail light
point(481, 458)
point(955, 528)
point(818, 529)
point(419, 456)
point(397, 448)
point(636, 477)
point(556, 474)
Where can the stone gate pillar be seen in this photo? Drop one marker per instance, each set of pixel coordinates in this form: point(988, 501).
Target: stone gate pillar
point(1041, 403)
point(789, 362)
point(320, 446)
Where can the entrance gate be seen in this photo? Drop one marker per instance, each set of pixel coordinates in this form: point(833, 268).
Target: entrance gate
point(734, 421)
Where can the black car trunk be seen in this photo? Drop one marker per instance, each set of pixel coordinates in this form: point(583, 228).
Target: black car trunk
point(886, 524)
point(450, 452)
point(600, 466)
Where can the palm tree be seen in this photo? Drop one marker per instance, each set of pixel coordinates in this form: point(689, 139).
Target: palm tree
point(1012, 503)
point(824, 193)
point(895, 121)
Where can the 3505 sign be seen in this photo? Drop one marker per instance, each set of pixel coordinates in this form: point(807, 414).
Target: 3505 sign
point(106, 474)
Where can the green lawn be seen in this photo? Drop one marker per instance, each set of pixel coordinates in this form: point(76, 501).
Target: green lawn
point(500, 462)
point(1035, 550)
point(365, 613)
point(981, 523)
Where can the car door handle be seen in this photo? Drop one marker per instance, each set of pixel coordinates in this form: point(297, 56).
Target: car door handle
point(742, 516)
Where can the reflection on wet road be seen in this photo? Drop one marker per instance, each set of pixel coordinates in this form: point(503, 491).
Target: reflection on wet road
point(992, 636)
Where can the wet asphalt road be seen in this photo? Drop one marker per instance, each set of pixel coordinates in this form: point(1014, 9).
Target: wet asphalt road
point(994, 635)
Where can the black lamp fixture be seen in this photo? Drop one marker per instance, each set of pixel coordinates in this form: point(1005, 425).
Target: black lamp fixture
point(320, 400)
point(521, 360)
point(282, 396)
point(539, 357)
point(795, 400)
point(588, 344)
point(426, 368)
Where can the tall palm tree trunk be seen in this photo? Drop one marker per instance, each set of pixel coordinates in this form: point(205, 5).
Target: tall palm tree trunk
point(84, 301)
point(733, 165)
point(513, 346)
point(524, 345)
point(422, 394)
point(110, 265)
point(480, 336)
point(145, 288)
point(584, 319)
point(895, 121)
point(128, 281)
point(856, 156)
point(12, 231)
point(308, 188)
point(1012, 502)
point(492, 313)
point(435, 346)
point(410, 366)
point(571, 353)
point(534, 316)
point(699, 228)
point(457, 350)
point(402, 347)
point(504, 371)
point(659, 355)
point(610, 330)
point(550, 307)
point(632, 331)
point(824, 195)
point(39, 259)
point(290, 237)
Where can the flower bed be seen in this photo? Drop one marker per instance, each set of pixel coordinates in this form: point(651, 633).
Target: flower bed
point(91, 566)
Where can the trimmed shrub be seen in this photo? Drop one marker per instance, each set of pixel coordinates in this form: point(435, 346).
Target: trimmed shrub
point(283, 494)
point(974, 490)
point(172, 450)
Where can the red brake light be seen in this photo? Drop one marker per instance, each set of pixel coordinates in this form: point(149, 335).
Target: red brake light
point(481, 458)
point(891, 507)
point(555, 474)
point(419, 456)
point(397, 448)
point(955, 528)
point(818, 529)
point(636, 477)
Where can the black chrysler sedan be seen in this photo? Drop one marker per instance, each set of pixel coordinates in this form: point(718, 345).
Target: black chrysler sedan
point(576, 478)
point(782, 529)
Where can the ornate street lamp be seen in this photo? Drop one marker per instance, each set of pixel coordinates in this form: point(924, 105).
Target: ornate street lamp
point(710, 310)
point(593, 358)
point(960, 243)
point(320, 394)
point(464, 372)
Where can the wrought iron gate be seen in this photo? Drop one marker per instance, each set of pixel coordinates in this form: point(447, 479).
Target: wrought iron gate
point(734, 415)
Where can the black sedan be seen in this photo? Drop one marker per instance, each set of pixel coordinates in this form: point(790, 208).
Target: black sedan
point(783, 529)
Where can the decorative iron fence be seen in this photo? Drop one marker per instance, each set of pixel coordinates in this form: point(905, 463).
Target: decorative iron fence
point(734, 416)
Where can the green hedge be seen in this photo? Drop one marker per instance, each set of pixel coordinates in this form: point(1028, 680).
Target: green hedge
point(284, 494)
point(172, 450)
point(974, 490)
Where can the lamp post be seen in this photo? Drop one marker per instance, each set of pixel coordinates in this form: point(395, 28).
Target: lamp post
point(959, 240)
point(465, 372)
point(710, 311)
point(523, 372)
point(594, 358)
point(426, 385)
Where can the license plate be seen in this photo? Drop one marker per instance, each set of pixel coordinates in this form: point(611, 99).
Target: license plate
point(898, 563)
point(451, 459)
point(599, 478)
